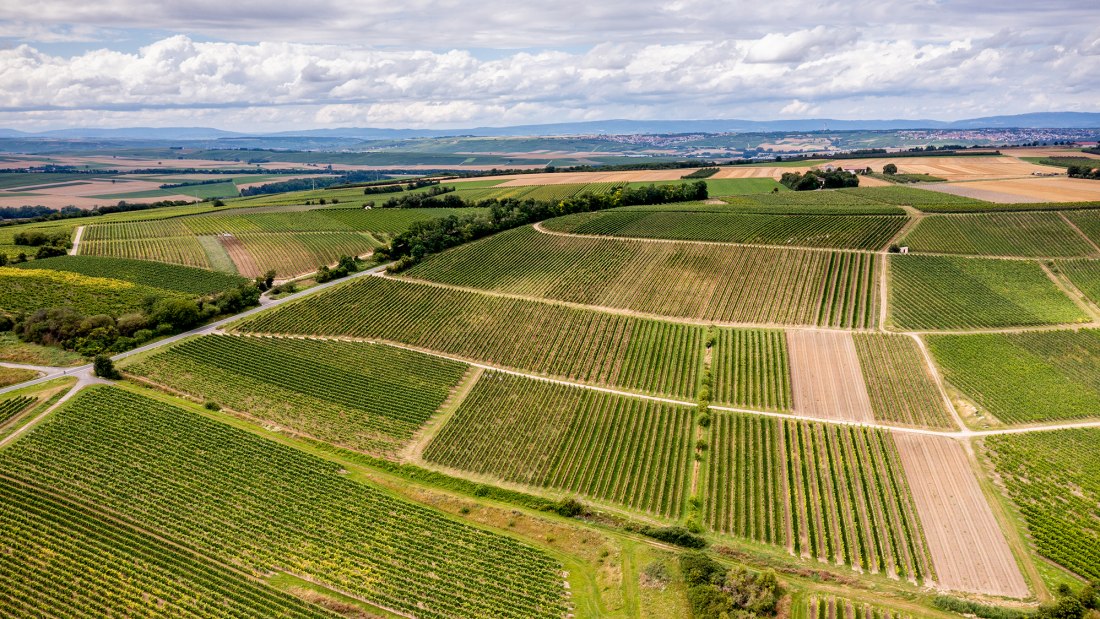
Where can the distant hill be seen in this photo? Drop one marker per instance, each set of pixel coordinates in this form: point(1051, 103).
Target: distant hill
point(1051, 120)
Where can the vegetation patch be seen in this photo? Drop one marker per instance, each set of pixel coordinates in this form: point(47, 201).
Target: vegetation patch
point(999, 234)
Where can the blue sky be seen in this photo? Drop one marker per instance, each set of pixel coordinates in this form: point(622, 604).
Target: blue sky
point(429, 63)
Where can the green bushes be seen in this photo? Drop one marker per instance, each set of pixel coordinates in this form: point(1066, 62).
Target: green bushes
point(677, 535)
point(816, 179)
point(717, 592)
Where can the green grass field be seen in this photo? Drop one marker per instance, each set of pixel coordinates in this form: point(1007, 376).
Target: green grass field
point(936, 292)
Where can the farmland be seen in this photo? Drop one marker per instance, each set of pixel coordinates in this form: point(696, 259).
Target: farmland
point(1025, 377)
point(1051, 477)
point(622, 450)
point(592, 347)
point(899, 384)
point(751, 369)
point(64, 560)
point(999, 234)
point(244, 500)
point(143, 273)
point(679, 280)
point(840, 488)
point(1085, 275)
point(363, 396)
point(935, 292)
point(11, 407)
point(856, 232)
point(26, 290)
point(12, 376)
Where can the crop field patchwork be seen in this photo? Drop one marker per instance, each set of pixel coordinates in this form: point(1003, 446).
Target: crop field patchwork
point(592, 347)
point(939, 292)
point(367, 397)
point(899, 383)
point(249, 502)
point(827, 491)
point(1051, 476)
point(619, 449)
point(843, 232)
point(1025, 377)
point(63, 560)
point(999, 234)
point(681, 280)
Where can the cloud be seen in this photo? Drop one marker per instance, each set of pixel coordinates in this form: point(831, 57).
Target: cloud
point(433, 63)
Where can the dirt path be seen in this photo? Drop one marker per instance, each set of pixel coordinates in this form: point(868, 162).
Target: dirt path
point(1072, 291)
point(968, 548)
point(415, 448)
point(826, 378)
point(1095, 247)
point(938, 380)
point(79, 234)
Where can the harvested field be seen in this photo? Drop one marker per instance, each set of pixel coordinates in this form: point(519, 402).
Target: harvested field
point(1048, 189)
point(826, 379)
point(953, 168)
point(968, 549)
point(238, 253)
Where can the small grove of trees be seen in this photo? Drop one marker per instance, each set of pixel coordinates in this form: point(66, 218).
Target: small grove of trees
point(427, 199)
point(433, 236)
point(1083, 171)
point(716, 592)
point(344, 267)
point(817, 179)
point(102, 333)
point(890, 169)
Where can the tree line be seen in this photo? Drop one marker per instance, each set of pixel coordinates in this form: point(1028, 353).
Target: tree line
point(817, 179)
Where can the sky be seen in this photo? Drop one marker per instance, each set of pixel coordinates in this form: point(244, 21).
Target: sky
point(272, 66)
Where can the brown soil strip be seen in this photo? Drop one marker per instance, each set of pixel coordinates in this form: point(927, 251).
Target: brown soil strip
point(968, 548)
point(826, 378)
point(246, 264)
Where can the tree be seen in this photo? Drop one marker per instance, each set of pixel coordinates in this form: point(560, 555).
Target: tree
point(890, 169)
point(103, 367)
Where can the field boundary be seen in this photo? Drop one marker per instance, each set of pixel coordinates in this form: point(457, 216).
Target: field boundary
point(414, 449)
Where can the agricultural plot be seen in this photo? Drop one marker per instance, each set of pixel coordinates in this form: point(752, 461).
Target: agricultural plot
point(938, 292)
point(294, 253)
point(750, 368)
point(623, 450)
point(588, 346)
point(828, 491)
point(968, 549)
point(182, 250)
point(262, 507)
point(829, 607)
point(1087, 221)
point(825, 377)
point(923, 199)
point(1051, 477)
point(64, 560)
point(843, 232)
point(27, 290)
point(181, 279)
point(11, 407)
point(899, 382)
point(1025, 377)
point(1084, 274)
point(999, 234)
point(386, 222)
point(682, 280)
point(825, 202)
point(366, 397)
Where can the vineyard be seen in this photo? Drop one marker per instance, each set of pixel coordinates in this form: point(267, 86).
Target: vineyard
point(390, 221)
point(829, 607)
point(539, 193)
point(1084, 274)
point(899, 383)
point(682, 280)
point(263, 507)
point(11, 407)
point(841, 488)
point(63, 560)
point(1087, 221)
point(367, 397)
point(142, 272)
point(1051, 476)
point(855, 232)
point(623, 450)
point(830, 202)
point(182, 250)
point(751, 369)
point(587, 346)
point(937, 292)
point(999, 234)
point(1025, 377)
point(27, 290)
point(923, 199)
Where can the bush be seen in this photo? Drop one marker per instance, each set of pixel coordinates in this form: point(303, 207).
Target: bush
point(889, 169)
point(570, 508)
point(103, 367)
point(211, 405)
point(715, 592)
point(677, 535)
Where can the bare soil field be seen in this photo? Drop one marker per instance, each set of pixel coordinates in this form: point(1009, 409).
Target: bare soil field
point(756, 172)
point(245, 263)
point(954, 168)
point(1048, 189)
point(968, 549)
point(1047, 152)
point(826, 378)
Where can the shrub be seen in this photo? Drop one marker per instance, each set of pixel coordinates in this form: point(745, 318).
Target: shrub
point(677, 535)
point(103, 367)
